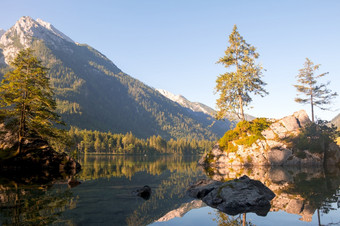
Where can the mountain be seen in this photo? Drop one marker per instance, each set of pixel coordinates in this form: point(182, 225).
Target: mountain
point(194, 106)
point(336, 121)
point(198, 110)
point(2, 60)
point(2, 32)
point(93, 93)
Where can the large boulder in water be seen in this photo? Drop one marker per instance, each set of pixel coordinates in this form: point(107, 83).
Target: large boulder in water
point(234, 197)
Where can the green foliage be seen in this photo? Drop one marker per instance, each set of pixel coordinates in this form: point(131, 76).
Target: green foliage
point(315, 137)
point(92, 93)
point(87, 142)
point(236, 86)
point(245, 133)
point(316, 94)
point(26, 99)
point(249, 159)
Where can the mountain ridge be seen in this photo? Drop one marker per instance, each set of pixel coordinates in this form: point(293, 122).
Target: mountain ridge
point(2, 31)
point(93, 93)
point(184, 102)
point(336, 121)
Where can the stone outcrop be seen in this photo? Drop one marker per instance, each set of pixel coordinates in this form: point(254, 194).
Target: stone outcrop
point(274, 149)
point(233, 197)
point(37, 156)
point(144, 192)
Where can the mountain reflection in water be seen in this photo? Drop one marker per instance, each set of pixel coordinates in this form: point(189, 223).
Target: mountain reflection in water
point(106, 194)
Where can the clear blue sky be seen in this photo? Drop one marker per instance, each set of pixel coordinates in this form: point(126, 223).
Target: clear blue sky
point(174, 44)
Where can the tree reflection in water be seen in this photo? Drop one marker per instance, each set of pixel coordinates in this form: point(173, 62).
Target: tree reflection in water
point(32, 203)
point(223, 219)
point(108, 181)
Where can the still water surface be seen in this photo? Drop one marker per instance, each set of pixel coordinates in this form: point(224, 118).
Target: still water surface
point(105, 196)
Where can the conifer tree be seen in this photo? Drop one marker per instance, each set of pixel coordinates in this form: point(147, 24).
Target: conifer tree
point(26, 99)
point(316, 94)
point(243, 77)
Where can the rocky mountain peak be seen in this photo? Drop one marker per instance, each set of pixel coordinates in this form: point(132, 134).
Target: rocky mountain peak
point(51, 28)
point(25, 31)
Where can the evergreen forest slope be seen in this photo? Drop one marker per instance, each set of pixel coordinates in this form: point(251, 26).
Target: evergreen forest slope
point(93, 93)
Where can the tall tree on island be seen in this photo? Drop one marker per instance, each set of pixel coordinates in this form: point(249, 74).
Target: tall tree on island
point(316, 94)
point(26, 99)
point(243, 77)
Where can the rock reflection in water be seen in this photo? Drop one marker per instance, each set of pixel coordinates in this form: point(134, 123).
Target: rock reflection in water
point(301, 191)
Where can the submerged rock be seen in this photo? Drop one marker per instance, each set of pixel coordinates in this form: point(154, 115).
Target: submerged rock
point(144, 192)
point(72, 182)
point(233, 197)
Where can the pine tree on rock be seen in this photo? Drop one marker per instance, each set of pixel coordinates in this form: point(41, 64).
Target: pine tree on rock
point(26, 99)
point(242, 79)
point(316, 94)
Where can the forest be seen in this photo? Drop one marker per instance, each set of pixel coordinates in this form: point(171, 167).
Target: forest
point(80, 141)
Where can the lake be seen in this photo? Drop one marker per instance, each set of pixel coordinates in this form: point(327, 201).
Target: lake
point(304, 196)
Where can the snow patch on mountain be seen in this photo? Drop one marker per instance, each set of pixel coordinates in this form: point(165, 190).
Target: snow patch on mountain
point(181, 100)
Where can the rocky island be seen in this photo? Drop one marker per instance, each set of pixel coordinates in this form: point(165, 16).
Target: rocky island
point(28, 120)
point(292, 140)
point(37, 157)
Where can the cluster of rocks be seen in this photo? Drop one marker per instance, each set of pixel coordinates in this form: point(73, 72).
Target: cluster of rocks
point(267, 156)
point(234, 197)
point(273, 149)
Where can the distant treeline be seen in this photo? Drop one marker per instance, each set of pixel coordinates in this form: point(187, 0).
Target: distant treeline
point(87, 142)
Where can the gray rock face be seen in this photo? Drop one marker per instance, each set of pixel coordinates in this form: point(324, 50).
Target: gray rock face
point(25, 31)
point(273, 149)
point(234, 197)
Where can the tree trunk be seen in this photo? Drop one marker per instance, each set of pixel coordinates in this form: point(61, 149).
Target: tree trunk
point(312, 107)
point(21, 133)
point(241, 107)
point(312, 103)
point(239, 92)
